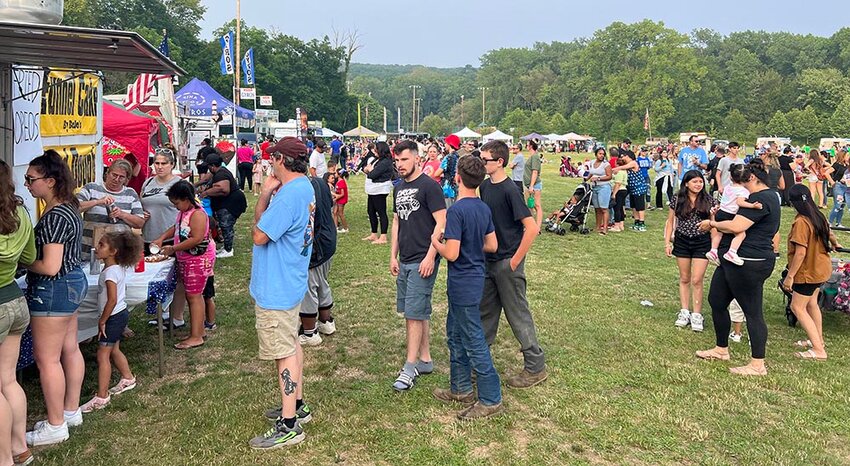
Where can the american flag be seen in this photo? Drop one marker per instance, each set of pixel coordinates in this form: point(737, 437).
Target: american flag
point(646, 120)
point(142, 89)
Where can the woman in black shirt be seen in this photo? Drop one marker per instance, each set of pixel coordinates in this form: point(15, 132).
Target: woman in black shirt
point(56, 287)
point(745, 283)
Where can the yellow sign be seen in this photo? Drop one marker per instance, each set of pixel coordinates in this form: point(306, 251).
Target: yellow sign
point(69, 104)
point(81, 160)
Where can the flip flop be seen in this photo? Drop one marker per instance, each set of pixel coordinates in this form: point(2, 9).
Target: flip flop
point(747, 370)
point(181, 346)
point(711, 355)
point(809, 354)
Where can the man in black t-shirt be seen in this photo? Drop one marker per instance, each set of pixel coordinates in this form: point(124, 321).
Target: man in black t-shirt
point(319, 300)
point(505, 284)
point(226, 200)
point(419, 211)
point(201, 162)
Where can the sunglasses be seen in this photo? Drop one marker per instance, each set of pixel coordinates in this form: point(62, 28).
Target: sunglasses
point(490, 160)
point(30, 180)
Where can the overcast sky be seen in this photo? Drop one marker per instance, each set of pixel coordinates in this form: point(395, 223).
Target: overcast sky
point(457, 32)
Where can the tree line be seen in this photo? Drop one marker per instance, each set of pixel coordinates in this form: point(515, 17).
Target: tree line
point(735, 86)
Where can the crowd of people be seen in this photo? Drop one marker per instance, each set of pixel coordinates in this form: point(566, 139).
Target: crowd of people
point(451, 200)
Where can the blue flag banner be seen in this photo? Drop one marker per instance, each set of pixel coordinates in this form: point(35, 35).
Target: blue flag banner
point(227, 53)
point(248, 67)
point(163, 46)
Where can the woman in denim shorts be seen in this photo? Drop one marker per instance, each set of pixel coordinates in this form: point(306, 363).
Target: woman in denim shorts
point(56, 287)
point(17, 246)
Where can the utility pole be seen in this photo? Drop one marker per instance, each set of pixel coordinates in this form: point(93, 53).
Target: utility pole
point(483, 104)
point(413, 116)
point(418, 110)
point(461, 111)
point(237, 58)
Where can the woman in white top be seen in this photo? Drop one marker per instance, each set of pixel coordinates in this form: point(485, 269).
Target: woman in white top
point(600, 179)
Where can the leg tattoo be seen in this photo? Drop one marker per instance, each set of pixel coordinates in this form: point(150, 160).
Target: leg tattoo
point(288, 385)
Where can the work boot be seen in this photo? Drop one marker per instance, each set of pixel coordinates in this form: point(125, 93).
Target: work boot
point(447, 395)
point(480, 411)
point(526, 379)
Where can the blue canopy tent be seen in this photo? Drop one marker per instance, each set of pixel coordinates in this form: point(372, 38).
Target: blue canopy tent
point(199, 97)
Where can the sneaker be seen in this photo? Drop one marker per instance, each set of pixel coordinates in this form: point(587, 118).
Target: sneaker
point(526, 379)
point(44, 433)
point(713, 257)
point(696, 322)
point(480, 411)
point(448, 396)
point(165, 324)
point(225, 253)
point(278, 436)
point(122, 386)
point(303, 414)
point(165, 317)
point(733, 258)
point(23, 459)
point(838, 225)
point(326, 328)
point(312, 340)
point(74, 420)
point(684, 318)
point(736, 337)
point(95, 404)
point(641, 227)
point(210, 325)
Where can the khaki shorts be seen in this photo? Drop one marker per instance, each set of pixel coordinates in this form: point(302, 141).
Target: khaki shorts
point(14, 317)
point(277, 332)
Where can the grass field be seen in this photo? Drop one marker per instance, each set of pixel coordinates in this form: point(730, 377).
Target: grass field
point(624, 385)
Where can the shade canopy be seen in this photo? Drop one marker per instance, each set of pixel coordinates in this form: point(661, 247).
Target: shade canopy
point(81, 48)
point(497, 136)
point(554, 137)
point(326, 133)
point(574, 137)
point(130, 130)
point(360, 131)
point(200, 96)
point(529, 137)
point(467, 133)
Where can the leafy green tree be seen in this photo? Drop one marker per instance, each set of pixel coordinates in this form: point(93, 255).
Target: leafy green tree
point(436, 125)
point(839, 122)
point(805, 124)
point(735, 125)
point(558, 124)
point(823, 89)
point(517, 119)
point(778, 125)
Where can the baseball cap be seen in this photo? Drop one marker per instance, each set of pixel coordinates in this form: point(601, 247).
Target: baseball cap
point(453, 141)
point(214, 159)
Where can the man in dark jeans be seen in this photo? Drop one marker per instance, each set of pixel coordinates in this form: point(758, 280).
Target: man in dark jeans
point(226, 200)
point(504, 283)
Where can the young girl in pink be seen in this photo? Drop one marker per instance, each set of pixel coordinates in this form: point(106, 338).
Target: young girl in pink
point(195, 253)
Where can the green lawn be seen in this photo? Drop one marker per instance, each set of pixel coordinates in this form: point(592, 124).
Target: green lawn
point(624, 385)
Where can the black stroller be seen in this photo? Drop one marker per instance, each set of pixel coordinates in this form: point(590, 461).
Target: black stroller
point(573, 213)
point(834, 294)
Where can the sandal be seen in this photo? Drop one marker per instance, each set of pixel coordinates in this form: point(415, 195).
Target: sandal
point(405, 381)
point(803, 343)
point(712, 354)
point(809, 354)
point(748, 370)
point(182, 346)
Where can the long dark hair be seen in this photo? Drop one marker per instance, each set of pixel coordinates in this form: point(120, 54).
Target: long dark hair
point(383, 150)
point(9, 202)
point(51, 165)
point(757, 169)
point(702, 205)
point(801, 198)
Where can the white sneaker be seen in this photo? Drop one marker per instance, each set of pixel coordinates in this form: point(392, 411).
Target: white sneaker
point(224, 253)
point(45, 434)
point(733, 258)
point(696, 322)
point(736, 337)
point(313, 340)
point(326, 328)
point(684, 318)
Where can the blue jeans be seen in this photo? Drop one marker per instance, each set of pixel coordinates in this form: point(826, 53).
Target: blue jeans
point(468, 351)
point(58, 297)
point(837, 213)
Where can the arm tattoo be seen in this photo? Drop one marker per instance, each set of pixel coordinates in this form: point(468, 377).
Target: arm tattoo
point(288, 385)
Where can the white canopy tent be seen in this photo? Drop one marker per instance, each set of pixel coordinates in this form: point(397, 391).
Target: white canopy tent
point(574, 137)
point(497, 136)
point(554, 137)
point(467, 133)
point(327, 133)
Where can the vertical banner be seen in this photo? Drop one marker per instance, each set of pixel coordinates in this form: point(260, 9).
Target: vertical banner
point(26, 110)
point(248, 67)
point(69, 103)
point(227, 53)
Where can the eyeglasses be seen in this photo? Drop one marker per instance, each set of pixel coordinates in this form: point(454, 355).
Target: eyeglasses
point(117, 176)
point(30, 180)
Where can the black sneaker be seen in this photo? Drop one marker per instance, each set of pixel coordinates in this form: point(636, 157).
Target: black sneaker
point(304, 414)
point(278, 436)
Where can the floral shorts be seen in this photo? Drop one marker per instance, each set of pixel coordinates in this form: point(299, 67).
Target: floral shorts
point(193, 273)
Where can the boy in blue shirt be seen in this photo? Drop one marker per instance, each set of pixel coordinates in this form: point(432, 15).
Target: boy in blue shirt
point(645, 163)
point(469, 233)
point(692, 157)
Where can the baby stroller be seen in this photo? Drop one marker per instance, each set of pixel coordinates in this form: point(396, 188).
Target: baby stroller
point(834, 294)
point(573, 213)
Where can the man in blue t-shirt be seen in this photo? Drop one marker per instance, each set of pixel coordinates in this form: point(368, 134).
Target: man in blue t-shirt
point(692, 157)
point(336, 145)
point(469, 234)
point(283, 240)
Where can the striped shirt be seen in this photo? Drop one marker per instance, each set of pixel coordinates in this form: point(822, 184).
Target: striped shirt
point(59, 225)
point(126, 200)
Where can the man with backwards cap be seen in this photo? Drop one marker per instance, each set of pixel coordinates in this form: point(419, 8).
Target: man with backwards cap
point(283, 241)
